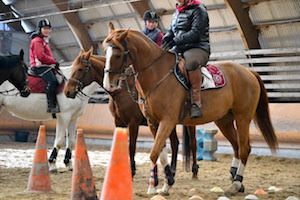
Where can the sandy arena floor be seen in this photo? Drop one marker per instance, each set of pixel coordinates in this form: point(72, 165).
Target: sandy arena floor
point(261, 172)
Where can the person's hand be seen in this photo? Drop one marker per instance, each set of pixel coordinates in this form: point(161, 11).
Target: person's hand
point(168, 45)
point(57, 65)
point(166, 39)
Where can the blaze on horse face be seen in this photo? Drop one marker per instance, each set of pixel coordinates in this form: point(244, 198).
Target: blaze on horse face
point(116, 59)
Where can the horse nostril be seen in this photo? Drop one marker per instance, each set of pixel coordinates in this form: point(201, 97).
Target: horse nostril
point(68, 93)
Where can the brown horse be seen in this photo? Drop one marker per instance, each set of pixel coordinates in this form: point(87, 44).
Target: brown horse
point(13, 69)
point(232, 107)
point(88, 68)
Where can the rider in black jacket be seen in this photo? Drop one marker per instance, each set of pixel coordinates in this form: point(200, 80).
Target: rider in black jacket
point(189, 35)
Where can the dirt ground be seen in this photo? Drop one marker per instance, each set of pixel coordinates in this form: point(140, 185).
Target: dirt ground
point(260, 173)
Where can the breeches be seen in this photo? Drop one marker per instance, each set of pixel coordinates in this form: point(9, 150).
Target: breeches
point(195, 58)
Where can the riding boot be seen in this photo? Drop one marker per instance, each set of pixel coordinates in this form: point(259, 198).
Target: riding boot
point(196, 81)
point(53, 106)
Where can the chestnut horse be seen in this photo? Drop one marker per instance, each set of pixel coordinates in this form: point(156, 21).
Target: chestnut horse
point(232, 107)
point(88, 68)
point(13, 69)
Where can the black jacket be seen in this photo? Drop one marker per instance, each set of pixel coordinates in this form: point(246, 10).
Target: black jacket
point(190, 29)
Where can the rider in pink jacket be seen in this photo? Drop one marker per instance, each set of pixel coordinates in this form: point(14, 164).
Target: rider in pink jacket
point(40, 59)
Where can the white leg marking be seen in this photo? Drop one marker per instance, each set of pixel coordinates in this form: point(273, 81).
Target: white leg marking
point(235, 162)
point(164, 157)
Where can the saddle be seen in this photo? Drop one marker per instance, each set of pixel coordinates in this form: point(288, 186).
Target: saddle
point(38, 85)
point(212, 78)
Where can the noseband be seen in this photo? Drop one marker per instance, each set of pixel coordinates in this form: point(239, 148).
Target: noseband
point(87, 68)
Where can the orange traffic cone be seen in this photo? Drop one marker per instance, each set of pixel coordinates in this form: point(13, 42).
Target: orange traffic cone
point(118, 181)
point(39, 178)
point(83, 185)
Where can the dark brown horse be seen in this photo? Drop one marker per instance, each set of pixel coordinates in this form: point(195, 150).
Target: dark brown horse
point(88, 68)
point(13, 69)
point(232, 107)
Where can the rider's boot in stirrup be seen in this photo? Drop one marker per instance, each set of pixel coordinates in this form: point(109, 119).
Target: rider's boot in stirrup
point(196, 81)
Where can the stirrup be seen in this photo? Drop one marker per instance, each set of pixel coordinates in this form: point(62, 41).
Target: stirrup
point(196, 111)
point(53, 109)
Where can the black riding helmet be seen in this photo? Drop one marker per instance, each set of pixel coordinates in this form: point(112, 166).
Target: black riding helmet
point(42, 23)
point(150, 15)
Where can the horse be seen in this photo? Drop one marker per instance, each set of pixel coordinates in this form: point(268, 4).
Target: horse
point(88, 68)
point(14, 69)
point(232, 107)
point(34, 107)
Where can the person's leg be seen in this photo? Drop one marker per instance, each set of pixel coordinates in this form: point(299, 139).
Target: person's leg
point(49, 76)
point(195, 59)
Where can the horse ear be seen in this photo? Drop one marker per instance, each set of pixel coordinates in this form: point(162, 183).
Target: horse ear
point(91, 49)
point(123, 35)
point(22, 54)
point(89, 53)
point(81, 52)
point(111, 27)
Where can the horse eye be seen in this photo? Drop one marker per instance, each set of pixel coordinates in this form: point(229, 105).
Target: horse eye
point(80, 70)
point(118, 56)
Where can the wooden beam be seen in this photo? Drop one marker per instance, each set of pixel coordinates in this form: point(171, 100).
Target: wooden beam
point(248, 32)
point(140, 7)
point(79, 30)
point(6, 9)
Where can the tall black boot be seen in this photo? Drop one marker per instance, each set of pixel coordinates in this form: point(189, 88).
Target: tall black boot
point(196, 81)
point(52, 101)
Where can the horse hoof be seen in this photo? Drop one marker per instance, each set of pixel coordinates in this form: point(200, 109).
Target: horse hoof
point(163, 192)
point(233, 189)
point(53, 171)
point(52, 168)
point(151, 191)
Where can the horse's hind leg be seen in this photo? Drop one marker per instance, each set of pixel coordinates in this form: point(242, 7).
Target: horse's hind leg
point(70, 143)
point(193, 143)
point(133, 133)
point(226, 126)
point(242, 124)
point(174, 146)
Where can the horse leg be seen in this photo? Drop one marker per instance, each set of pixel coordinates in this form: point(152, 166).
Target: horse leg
point(174, 145)
point(193, 142)
point(70, 143)
point(164, 130)
point(59, 139)
point(153, 180)
point(169, 180)
point(133, 133)
point(242, 124)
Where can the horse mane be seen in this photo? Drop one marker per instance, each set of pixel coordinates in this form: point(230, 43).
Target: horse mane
point(115, 33)
point(9, 61)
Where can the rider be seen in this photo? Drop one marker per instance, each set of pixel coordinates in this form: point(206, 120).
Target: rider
point(151, 20)
point(189, 35)
point(40, 59)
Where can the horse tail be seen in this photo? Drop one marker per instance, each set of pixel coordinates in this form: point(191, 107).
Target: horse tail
point(262, 116)
point(186, 148)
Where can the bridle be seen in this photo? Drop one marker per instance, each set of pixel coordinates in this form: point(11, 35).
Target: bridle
point(24, 89)
point(125, 76)
point(82, 79)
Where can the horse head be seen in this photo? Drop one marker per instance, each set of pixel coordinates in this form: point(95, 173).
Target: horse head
point(18, 76)
point(117, 57)
point(86, 68)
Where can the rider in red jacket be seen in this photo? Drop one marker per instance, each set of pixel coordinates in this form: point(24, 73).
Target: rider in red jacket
point(40, 60)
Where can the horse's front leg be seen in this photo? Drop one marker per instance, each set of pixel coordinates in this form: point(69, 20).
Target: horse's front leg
point(174, 146)
point(163, 132)
point(59, 139)
point(70, 142)
point(169, 178)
